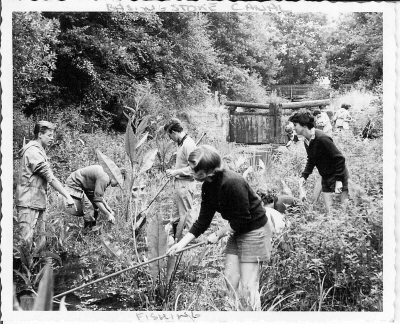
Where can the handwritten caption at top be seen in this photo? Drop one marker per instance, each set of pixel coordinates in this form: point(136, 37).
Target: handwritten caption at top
point(206, 7)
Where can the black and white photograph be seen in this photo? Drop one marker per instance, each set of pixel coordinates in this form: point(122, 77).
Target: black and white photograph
point(198, 161)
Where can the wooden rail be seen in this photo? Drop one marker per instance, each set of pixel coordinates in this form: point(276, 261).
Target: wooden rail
point(285, 105)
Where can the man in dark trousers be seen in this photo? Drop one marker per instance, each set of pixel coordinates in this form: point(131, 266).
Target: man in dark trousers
point(323, 154)
point(90, 183)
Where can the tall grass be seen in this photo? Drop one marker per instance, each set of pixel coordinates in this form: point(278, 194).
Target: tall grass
point(320, 264)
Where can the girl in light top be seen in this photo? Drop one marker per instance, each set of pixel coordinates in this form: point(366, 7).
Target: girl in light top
point(342, 117)
point(322, 122)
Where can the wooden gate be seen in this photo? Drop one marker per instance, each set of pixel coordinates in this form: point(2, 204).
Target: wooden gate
point(254, 127)
point(266, 126)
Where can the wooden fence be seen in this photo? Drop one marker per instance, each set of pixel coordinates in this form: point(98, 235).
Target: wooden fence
point(265, 126)
point(296, 92)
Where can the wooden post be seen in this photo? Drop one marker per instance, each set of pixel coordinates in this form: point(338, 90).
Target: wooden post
point(272, 131)
point(231, 131)
point(278, 122)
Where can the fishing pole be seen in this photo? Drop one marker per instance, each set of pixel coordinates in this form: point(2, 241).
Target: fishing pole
point(127, 269)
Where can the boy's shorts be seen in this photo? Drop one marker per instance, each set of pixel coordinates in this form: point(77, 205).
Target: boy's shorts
point(253, 246)
point(328, 184)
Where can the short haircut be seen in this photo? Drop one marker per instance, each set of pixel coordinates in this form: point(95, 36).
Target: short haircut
point(268, 196)
point(174, 125)
point(42, 126)
point(316, 112)
point(346, 106)
point(206, 158)
point(305, 119)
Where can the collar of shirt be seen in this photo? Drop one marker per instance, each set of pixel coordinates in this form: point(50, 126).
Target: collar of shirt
point(312, 133)
point(181, 141)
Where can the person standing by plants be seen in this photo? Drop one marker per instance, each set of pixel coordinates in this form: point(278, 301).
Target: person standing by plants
point(89, 184)
point(323, 154)
point(184, 185)
point(342, 117)
point(322, 122)
point(34, 176)
point(228, 193)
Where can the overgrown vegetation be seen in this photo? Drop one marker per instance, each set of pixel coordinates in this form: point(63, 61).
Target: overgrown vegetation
point(110, 80)
point(318, 263)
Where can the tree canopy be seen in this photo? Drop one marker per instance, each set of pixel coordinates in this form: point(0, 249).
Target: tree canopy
point(99, 61)
point(355, 49)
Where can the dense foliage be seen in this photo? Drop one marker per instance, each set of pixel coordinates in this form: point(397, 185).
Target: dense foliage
point(98, 61)
point(302, 45)
point(90, 71)
point(356, 49)
point(34, 58)
point(319, 263)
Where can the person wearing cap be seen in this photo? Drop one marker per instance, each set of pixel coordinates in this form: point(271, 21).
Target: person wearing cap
point(89, 184)
point(342, 117)
point(34, 177)
point(323, 154)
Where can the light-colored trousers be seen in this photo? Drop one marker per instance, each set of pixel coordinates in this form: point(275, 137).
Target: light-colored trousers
point(182, 218)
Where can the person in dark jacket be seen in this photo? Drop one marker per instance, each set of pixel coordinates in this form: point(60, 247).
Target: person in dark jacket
point(248, 245)
point(323, 154)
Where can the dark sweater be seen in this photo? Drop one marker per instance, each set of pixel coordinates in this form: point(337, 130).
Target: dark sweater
point(323, 154)
point(231, 196)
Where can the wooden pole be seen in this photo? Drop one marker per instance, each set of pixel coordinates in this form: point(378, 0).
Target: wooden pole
point(124, 270)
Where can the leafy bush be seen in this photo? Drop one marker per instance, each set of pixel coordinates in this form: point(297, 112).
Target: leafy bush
point(329, 265)
point(242, 86)
point(319, 93)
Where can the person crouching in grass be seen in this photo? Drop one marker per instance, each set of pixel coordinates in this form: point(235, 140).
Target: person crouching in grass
point(323, 154)
point(91, 182)
point(228, 193)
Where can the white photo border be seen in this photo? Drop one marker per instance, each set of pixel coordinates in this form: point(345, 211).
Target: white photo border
point(390, 12)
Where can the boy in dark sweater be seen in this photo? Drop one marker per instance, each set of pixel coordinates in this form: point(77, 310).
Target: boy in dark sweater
point(323, 154)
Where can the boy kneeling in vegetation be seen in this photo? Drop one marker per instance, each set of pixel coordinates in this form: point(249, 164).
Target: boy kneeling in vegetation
point(90, 183)
point(249, 242)
point(323, 154)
